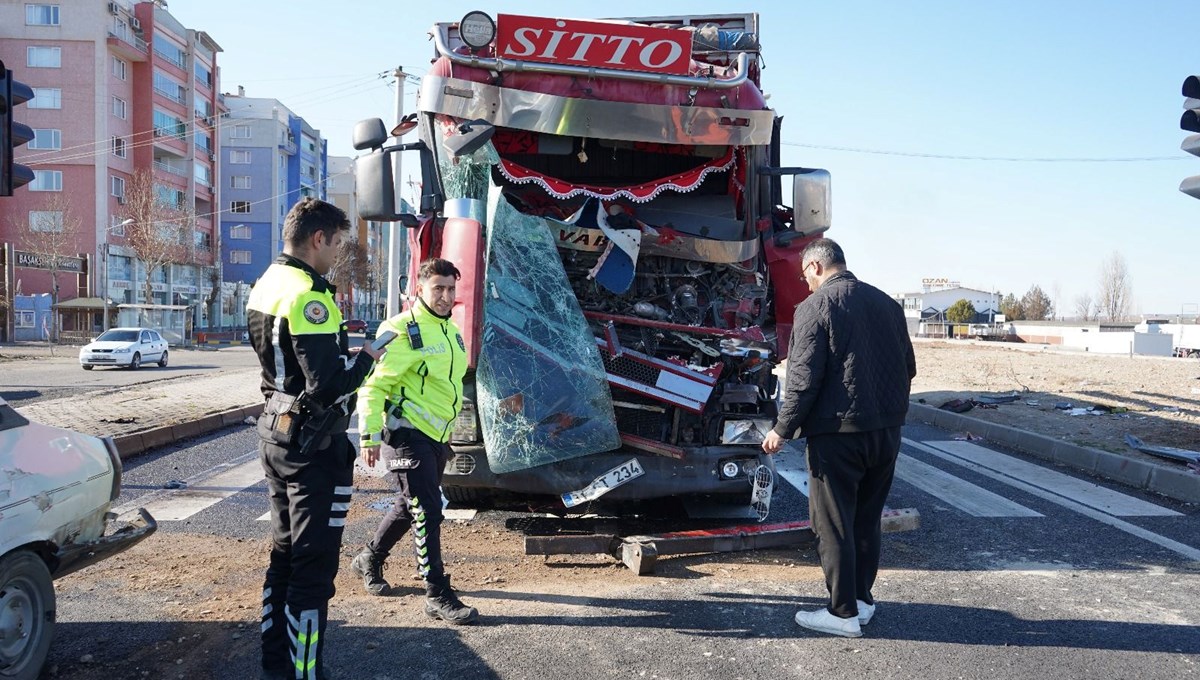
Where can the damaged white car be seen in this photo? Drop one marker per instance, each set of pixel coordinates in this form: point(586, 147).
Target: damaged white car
point(56, 487)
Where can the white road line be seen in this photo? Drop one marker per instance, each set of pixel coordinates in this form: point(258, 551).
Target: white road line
point(265, 518)
point(1174, 546)
point(1078, 490)
point(971, 499)
point(201, 494)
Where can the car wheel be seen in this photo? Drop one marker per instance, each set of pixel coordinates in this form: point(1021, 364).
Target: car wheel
point(136, 362)
point(162, 361)
point(27, 611)
point(86, 367)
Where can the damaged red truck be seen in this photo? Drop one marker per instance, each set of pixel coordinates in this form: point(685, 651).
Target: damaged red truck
point(612, 192)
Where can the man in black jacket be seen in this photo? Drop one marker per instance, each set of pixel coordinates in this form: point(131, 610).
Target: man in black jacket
point(850, 366)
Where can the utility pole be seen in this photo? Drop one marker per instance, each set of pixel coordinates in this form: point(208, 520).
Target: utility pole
point(396, 229)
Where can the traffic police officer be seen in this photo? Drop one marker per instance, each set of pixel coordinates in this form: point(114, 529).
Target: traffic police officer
point(309, 378)
point(406, 411)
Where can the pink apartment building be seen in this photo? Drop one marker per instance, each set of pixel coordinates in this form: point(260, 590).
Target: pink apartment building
point(119, 87)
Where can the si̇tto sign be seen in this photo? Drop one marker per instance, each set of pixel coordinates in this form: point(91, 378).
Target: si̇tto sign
point(594, 43)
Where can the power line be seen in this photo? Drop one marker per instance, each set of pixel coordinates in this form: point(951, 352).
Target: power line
point(1001, 159)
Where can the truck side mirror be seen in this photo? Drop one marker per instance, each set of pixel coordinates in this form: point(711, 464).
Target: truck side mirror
point(470, 137)
point(811, 201)
point(369, 134)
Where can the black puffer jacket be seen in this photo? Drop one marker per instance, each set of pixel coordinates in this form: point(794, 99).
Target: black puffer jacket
point(850, 362)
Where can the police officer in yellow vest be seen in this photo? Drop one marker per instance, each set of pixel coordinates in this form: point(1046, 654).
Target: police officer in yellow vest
point(406, 412)
point(309, 377)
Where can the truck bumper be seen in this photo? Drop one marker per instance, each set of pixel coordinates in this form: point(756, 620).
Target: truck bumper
point(702, 470)
point(72, 558)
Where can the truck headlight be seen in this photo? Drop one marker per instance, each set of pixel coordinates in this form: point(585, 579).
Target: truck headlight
point(749, 431)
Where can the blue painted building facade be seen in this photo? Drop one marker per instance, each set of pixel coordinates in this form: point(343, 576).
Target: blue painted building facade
point(270, 159)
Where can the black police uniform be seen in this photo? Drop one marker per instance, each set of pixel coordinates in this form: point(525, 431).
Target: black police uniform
point(309, 379)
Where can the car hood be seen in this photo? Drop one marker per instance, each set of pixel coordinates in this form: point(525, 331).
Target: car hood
point(108, 344)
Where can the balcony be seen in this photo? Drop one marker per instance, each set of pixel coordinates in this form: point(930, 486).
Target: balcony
point(167, 167)
point(132, 49)
point(288, 145)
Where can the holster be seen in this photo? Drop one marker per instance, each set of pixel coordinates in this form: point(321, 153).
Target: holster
point(282, 419)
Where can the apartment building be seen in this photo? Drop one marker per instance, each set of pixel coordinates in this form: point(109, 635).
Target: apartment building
point(120, 88)
point(270, 159)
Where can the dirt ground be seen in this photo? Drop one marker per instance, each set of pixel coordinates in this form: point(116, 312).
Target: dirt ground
point(1156, 399)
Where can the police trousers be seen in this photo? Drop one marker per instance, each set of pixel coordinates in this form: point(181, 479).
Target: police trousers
point(415, 463)
point(309, 497)
point(850, 475)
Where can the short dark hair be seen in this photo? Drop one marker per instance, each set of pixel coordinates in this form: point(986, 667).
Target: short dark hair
point(436, 266)
point(826, 251)
point(308, 217)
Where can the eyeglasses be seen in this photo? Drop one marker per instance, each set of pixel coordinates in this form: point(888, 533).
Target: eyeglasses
point(804, 271)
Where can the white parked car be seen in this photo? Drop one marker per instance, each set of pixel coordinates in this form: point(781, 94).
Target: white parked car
point(56, 487)
point(130, 347)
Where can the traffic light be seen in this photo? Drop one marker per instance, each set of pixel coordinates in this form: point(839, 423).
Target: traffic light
point(12, 134)
point(1191, 123)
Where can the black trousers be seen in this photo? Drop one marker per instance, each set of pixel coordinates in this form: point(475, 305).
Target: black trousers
point(309, 496)
point(415, 462)
point(850, 476)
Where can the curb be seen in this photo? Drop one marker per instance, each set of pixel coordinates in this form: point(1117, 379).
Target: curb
point(130, 445)
point(1180, 485)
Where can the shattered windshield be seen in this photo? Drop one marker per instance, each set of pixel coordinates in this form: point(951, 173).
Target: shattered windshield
point(542, 391)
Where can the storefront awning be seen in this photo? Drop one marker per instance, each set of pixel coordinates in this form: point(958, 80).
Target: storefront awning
point(86, 303)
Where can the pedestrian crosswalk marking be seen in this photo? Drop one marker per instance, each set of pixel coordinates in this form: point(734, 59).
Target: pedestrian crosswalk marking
point(1174, 546)
point(789, 466)
point(971, 499)
point(1079, 490)
point(183, 503)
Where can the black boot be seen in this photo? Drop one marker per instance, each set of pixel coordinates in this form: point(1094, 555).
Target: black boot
point(442, 603)
point(369, 565)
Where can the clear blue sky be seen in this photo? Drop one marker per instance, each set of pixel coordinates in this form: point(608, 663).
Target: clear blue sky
point(1021, 79)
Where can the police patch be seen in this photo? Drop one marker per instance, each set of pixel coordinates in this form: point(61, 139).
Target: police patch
point(316, 312)
point(461, 344)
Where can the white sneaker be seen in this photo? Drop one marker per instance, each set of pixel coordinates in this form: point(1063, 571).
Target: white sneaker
point(821, 620)
point(865, 613)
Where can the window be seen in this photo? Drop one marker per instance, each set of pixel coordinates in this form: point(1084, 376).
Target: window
point(41, 15)
point(46, 98)
point(118, 187)
point(241, 132)
point(120, 69)
point(240, 232)
point(167, 125)
point(202, 107)
point(43, 57)
point(203, 75)
point(46, 180)
point(119, 108)
point(240, 207)
point(119, 147)
point(238, 257)
point(239, 181)
point(168, 50)
point(25, 318)
point(240, 157)
point(46, 138)
point(201, 173)
point(45, 220)
point(167, 87)
point(202, 239)
point(118, 227)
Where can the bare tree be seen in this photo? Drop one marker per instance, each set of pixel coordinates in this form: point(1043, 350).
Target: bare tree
point(351, 268)
point(1116, 288)
point(1056, 295)
point(214, 294)
point(1085, 307)
point(52, 233)
point(158, 231)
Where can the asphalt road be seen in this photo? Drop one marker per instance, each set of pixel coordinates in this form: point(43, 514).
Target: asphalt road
point(1018, 571)
point(35, 375)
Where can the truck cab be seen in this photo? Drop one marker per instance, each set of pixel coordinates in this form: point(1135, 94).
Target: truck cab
point(630, 264)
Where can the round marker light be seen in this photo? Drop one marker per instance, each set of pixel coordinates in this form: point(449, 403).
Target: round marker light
point(477, 29)
point(730, 469)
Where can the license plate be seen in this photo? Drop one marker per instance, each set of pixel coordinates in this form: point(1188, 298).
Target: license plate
point(604, 483)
